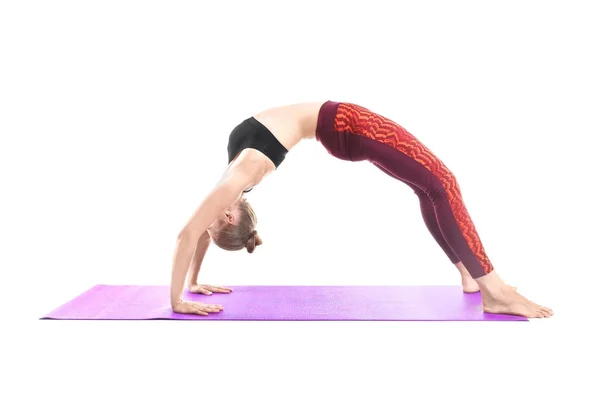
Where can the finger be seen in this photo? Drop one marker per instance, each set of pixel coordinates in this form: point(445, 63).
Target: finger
point(218, 289)
point(204, 290)
point(202, 305)
point(200, 290)
point(208, 307)
point(200, 310)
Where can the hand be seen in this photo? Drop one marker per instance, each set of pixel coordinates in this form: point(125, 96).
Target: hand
point(197, 308)
point(208, 290)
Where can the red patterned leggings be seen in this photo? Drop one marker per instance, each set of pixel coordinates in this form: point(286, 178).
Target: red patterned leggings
point(351, 132)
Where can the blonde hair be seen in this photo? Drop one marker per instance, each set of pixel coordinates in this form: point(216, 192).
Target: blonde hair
point(242, 234)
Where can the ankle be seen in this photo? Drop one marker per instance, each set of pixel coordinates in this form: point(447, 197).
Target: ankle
point(462, 269)
point(491, 283)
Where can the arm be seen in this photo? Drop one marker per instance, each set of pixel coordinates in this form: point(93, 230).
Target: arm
point(201, 248)
point(192, 281)
point(221, 197)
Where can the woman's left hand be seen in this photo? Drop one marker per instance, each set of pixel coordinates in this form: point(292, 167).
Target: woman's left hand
point(208, 289)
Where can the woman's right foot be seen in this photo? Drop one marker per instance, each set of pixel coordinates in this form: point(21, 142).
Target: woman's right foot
point(469, 285)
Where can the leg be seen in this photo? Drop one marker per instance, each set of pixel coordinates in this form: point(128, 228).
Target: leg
point(391, 147)
point(428, 213)
point(465, 243)
point(469, 285)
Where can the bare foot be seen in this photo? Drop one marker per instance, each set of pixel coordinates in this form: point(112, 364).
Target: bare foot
point(498, 297)
point(469, 285)
point(508, 301)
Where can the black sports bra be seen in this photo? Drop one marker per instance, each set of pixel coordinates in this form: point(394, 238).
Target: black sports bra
point(253, 134)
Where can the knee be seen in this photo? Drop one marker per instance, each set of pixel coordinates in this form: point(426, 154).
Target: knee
point(442, 186)
point(436, 192)
point(420, 193)
point(450, 179)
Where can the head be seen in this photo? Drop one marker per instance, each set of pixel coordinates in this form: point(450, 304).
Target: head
point(235, 228)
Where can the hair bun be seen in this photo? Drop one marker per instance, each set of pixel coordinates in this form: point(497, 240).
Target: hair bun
point(253, 241)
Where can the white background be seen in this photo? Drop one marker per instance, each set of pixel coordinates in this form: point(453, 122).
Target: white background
point(115, 116)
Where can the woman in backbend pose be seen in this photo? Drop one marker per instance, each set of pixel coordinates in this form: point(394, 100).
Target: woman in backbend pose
point(350, 132)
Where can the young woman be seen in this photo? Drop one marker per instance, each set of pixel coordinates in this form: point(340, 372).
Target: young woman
point(350, 132)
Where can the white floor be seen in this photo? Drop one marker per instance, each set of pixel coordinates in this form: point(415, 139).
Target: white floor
point(229, 357)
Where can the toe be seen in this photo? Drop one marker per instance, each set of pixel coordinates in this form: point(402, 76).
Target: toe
point(547, 311)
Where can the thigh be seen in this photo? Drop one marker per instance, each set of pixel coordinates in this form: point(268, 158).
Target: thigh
point(414, 187)
point(399, 165)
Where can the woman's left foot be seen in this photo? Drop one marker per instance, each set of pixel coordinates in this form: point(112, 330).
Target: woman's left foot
point(505, 300)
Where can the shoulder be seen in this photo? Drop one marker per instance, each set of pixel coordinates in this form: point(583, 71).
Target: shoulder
point(252, 160)
point(249, 168)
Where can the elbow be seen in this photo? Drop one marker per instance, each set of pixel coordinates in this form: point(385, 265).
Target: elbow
point(193, 236)
point(204, 238)
point(187, 236)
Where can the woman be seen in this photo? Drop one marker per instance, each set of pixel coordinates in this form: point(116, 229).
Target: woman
point(349, 132)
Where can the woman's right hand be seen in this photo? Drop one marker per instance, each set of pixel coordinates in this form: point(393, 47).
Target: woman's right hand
point(196, 308)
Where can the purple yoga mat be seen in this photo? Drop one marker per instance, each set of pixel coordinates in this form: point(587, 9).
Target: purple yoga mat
point(374, 303)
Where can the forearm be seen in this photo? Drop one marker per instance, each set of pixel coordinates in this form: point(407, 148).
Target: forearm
point(184, 252)
point(201, 249)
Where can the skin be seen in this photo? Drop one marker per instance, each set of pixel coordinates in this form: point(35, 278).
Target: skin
point(290, 124)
